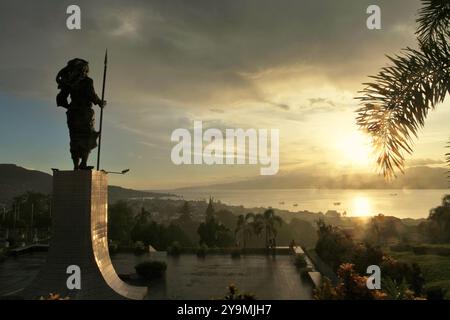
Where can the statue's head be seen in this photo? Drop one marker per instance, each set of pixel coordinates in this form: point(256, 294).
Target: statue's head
point(71, 74)
point(79, 66)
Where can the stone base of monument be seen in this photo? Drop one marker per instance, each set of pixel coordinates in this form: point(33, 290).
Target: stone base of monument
point(80, 226)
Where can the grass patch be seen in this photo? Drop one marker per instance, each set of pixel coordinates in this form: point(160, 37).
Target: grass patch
point(435, 269)
point(437, 249)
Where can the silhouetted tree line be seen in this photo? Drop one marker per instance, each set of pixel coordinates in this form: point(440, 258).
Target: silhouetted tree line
point(126, 228)
point(219, 229)
point(212, 232)
point(437, 227)
point(27, 218)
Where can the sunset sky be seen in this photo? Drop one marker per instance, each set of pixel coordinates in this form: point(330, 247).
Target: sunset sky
point(291, 65)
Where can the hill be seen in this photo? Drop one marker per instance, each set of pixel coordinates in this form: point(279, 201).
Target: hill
point(15, 180)
point(420, 177)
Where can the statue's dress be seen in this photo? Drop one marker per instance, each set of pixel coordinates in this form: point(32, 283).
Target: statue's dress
point(81, 117)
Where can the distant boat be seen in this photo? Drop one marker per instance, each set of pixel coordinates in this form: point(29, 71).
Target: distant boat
point(295, 204)
point(337, 203)
point(393, 194)
point(281, 202)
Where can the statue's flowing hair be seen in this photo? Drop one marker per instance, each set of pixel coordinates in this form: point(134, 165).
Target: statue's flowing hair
point(71, 74)
point(68, 77)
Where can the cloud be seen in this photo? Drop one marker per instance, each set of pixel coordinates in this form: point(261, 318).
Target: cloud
point(282, 106)
point(292, 65)
point(321, 101)
point(197, 52)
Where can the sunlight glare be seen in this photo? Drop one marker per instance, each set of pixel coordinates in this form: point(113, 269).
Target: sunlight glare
point(355, 150)
point(361, 207)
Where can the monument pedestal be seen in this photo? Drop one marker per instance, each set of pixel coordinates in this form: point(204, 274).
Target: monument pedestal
point(80, 226)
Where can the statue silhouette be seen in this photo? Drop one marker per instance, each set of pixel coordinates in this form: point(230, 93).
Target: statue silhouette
point(73, 82)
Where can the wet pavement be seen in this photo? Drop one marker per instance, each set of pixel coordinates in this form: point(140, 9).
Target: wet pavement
point(187, 276)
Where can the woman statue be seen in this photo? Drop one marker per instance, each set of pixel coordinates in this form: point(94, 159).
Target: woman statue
point(73, 81)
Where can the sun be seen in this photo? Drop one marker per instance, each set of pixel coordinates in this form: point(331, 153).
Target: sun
point(361, 207)
point(354, 150)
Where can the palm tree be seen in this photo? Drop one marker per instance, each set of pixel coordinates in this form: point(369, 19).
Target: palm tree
point(244, 227)
point(395, 105)
point(269, 220)
point(258, 225)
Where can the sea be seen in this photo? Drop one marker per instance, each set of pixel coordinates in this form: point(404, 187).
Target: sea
point(401, 203)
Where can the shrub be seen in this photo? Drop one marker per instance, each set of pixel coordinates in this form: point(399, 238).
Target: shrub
point(235, 253)
point(352, 286)
point(113, 247)
point(53, 296)
point(333, 246)
point(201, 251)
point(300, 261)
point(139, 248)
point(416, 279)
point(436, 293)
point(394, 269)
point(396, 290)
point(233, 294)
point(304, 274)
point(151, 269)
point(174, 249)
point(326, 291)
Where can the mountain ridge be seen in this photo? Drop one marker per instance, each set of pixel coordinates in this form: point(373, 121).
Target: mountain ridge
point(418, 177)
point(15, 180)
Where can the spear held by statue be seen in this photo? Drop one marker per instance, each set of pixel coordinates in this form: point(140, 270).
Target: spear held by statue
point(101, 109)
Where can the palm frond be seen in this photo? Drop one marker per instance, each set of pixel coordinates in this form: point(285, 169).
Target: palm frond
point(433, 21)
point(395, 105)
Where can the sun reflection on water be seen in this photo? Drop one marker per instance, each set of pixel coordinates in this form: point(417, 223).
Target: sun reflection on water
point(361, 207)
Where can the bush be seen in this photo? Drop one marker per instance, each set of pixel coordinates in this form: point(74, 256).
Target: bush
point(394, 269)
point(235, 253)
point(113, 247)
point(214, 250)
point(139, 248)
point(2, 255)
point(234, 294)
point(334, 246)
point(151, 269)
point(53, 296)
point(300, 261)
point(174, 249)
point(304, 274)
point(436, 293)
point(201, 251)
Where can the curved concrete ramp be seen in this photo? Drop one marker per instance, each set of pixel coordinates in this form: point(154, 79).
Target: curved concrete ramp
point(80, 227)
